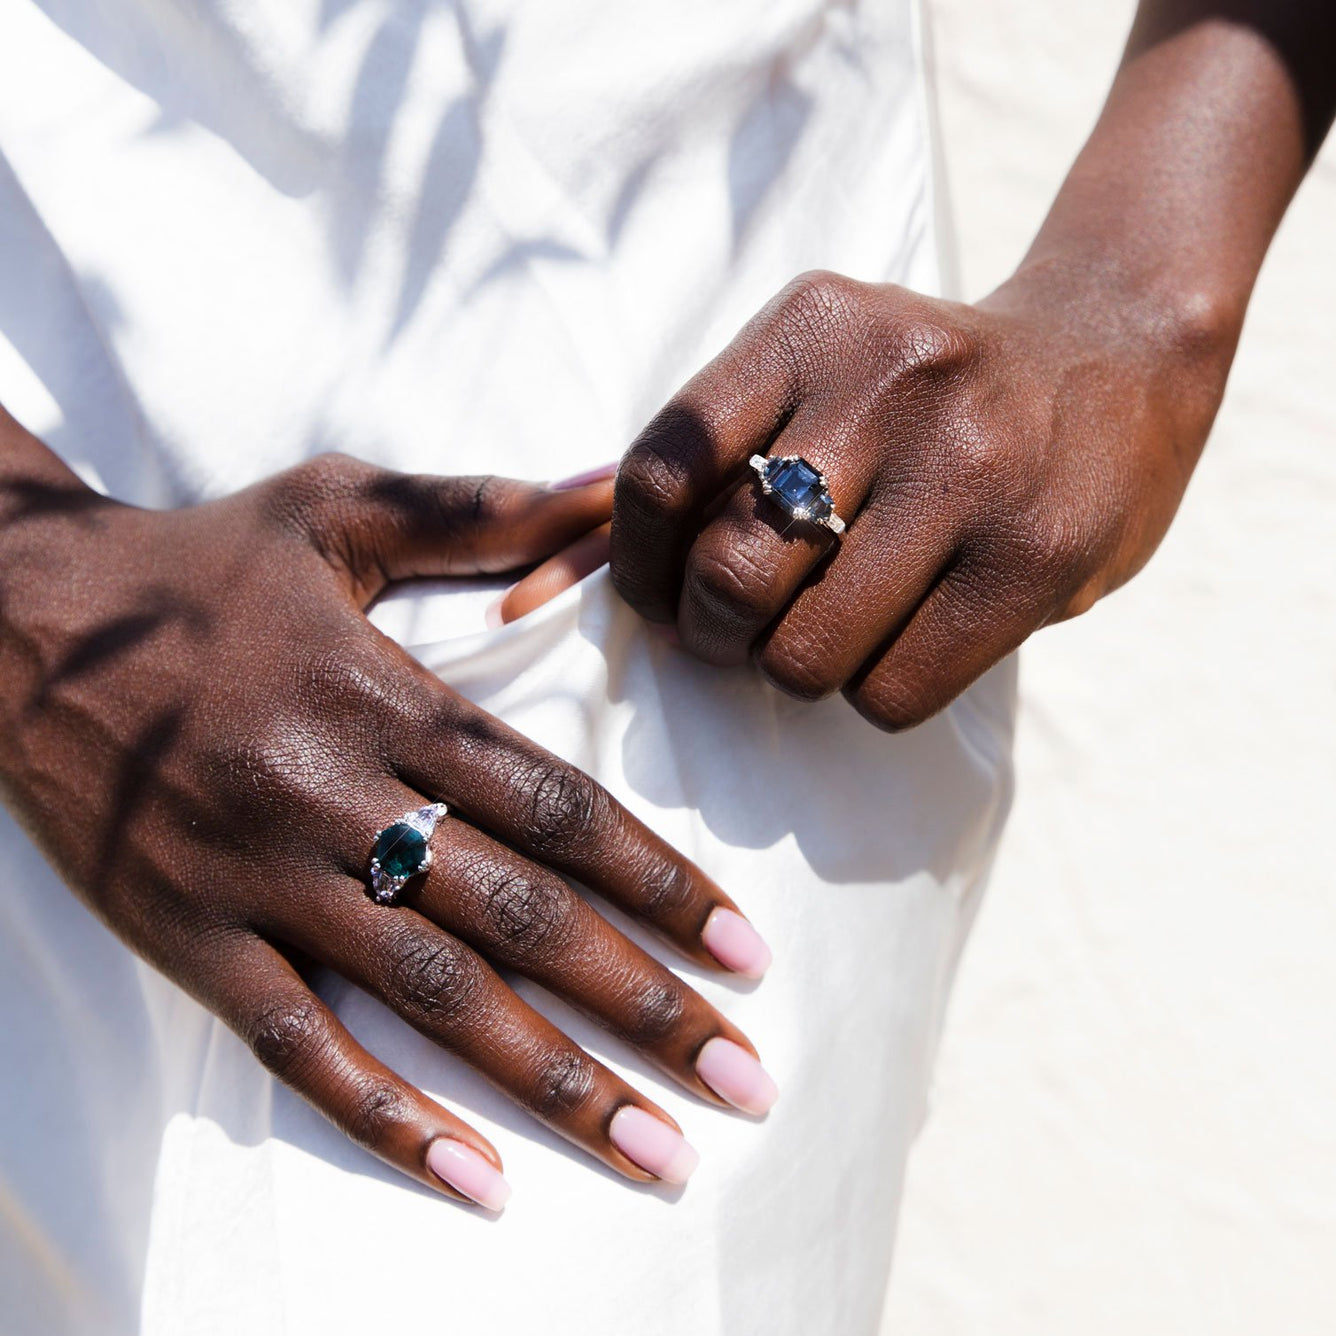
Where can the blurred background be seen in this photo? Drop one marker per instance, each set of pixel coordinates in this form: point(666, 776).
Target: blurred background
point(1134, 1121)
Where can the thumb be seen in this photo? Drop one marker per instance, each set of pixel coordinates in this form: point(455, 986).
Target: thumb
point(558, 573)
point(381, 526)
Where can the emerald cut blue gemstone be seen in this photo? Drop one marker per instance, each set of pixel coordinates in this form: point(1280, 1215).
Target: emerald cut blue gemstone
point(796, 485)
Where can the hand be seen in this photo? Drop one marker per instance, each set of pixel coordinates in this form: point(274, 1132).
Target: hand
point(999, 466)
point(204, 733)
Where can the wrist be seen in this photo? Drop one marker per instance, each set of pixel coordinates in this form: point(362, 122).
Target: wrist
point(1176, 338)
point(1155, 239)
point(1143, 308)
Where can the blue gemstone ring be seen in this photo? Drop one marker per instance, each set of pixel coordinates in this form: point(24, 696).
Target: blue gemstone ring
point(401, 852)
point(794, 484)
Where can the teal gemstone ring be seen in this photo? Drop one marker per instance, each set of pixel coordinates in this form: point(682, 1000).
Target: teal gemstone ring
point(791, 482)
point(402, 851)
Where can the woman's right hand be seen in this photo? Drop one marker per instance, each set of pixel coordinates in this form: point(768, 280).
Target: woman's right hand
point(204, 733)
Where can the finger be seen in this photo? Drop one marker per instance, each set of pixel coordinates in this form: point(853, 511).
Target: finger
point(694, 448)
point(564, 820)
point(557, 574)
point(885, 566)
point(751, 558)
point(449, 993)
point(302, 1043)
point(528, 919)
point(963, 628)
point(379, 526)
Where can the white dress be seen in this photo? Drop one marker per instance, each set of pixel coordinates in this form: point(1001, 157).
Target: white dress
point(481, 235)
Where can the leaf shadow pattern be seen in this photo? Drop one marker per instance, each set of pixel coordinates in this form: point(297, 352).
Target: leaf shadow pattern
point(331, 11)
point(356, 193)
point(100, 647)
point(453, 163)
point(196, 67)
point(62, 325)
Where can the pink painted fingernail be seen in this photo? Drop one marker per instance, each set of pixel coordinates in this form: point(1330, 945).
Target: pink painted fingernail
point(492, 614)
point(468, 1172)
point(733, 942)
point(652, 1144)
point(733, 1074)
point(600, 474)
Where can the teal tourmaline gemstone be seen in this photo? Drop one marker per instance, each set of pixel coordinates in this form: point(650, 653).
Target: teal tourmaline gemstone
point(400, 850)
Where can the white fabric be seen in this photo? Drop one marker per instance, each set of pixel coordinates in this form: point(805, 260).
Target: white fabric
point(491, 235)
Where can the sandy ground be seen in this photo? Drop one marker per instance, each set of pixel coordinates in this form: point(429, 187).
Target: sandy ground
point(1134, 1127)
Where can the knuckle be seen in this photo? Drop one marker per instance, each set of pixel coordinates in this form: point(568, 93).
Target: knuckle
point(563, 1085)
point(318, 501)
point(921, 347)
point(331, 477)
point(646, 538)
point(285, 1036)
point(733, 587)
point(891, 704)
point(797, 670)
point(666, 891)
point(374, 1110)
point(980, 458)
point(487, 502)
point(436, 978)
point(653, 473)
point(816, 311)
point(527, 911)
point(1056, 547)
point(563, 807)
point(333, 471)
point(654, 1012)
point(349, 673)
point(288, 767)
point(818, 298)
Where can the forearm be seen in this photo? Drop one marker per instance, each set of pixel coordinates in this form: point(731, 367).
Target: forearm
point(1207, 132)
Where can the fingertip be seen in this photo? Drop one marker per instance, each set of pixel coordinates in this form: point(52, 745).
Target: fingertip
point(653, 1143)
point(737, 1076)
point(735, 944)
point(469, 1172)
point(603, 473)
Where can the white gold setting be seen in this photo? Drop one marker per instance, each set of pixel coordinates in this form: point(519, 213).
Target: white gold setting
point(799, 488)
point(402, 851)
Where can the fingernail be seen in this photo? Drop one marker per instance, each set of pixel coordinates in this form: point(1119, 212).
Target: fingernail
point(600, 474)
point(652, 1144)
point(733, 1074)
point(733, 942)
point(492, 615)
point(468, 1172)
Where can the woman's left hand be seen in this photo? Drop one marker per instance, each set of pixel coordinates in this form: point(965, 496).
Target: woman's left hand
point(999, 467)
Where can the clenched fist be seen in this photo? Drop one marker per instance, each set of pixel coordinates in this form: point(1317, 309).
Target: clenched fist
point(998, 466)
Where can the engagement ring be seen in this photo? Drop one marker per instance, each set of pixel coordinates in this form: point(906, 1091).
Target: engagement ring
point(401, 852)
point(800, 489)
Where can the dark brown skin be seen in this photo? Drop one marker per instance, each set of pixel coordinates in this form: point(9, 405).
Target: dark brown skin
point(203, 732)
point(1004, 465)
